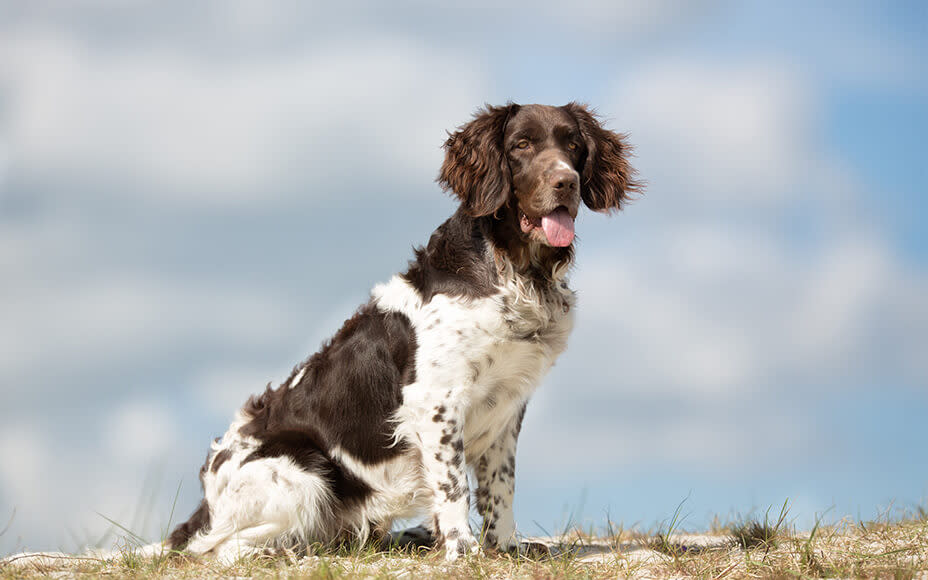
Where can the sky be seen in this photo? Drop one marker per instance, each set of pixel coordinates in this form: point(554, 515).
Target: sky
point(193, 196)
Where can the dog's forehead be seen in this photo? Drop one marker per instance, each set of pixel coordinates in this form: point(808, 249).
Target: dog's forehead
point(543, 117)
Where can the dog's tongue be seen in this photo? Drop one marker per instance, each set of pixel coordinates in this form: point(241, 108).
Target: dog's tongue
point(558, 227)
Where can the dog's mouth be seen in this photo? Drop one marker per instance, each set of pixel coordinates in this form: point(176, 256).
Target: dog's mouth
point(557, 226)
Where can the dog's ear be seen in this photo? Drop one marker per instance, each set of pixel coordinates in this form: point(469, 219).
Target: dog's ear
point(607, 179)
point(475, 167)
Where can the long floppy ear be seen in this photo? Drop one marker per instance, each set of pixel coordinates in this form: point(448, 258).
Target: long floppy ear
point(475, 167)
point(607, 178)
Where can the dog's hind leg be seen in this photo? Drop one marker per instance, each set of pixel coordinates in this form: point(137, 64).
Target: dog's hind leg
point(268, 502)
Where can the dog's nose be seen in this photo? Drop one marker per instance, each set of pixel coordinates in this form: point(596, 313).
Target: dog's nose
point(564, 178)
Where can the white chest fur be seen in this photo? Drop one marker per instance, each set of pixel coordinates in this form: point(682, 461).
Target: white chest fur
point(484, 356)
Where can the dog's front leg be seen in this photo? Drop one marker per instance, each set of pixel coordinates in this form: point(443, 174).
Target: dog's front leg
point(496, 480)
point(443, 460)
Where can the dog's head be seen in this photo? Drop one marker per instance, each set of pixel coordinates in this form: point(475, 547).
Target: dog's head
point(539, 161)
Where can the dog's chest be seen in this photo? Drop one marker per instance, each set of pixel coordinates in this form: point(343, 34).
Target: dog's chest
point(482, 357)
point(501, 335)
point(490, 353)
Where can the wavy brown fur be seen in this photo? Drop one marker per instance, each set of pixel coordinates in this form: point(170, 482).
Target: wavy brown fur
point(475, 168)
point(607, 178)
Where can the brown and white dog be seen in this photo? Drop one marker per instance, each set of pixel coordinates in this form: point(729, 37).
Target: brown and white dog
point(429, 378)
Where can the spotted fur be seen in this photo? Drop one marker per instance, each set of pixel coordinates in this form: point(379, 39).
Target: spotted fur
point(429, 380)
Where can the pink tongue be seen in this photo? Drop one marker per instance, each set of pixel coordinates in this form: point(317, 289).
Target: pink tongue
point(558, 227)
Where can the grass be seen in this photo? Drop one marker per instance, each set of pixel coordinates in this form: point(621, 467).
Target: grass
point(754, 534)
point(755, 548)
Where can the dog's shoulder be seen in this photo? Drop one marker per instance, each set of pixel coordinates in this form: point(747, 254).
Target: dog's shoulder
point(456, 262)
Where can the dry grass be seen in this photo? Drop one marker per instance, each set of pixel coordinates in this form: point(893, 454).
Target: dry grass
point(753, 549)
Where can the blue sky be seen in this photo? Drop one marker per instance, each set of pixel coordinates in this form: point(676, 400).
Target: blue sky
point(193, 197)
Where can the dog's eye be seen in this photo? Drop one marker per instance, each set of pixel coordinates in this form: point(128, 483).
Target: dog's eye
point(523, 144)
point(572, 146)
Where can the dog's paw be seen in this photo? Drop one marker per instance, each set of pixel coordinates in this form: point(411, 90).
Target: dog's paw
point(532, 550)
point(506, 542)
point(414, 538)
point(459, 544)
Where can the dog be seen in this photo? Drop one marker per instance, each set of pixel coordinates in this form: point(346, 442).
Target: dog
point(430, 378)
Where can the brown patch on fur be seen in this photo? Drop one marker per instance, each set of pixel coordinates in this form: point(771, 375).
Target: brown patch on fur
point(181, 535)
point(219, 459)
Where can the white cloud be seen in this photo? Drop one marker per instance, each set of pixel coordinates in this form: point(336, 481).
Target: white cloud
point(725, 132)
point(630, 22)
point(224, 389)
point(139, 432)
point(59, 489)
point(705, 438)
point(117, 317)
point(852, 282)
point(183, 128)
point(4, 164)
point(716, 311)
point(723, 300)
point(32, 249)
point(672, 317)
point(912, 317)
point(24, 458)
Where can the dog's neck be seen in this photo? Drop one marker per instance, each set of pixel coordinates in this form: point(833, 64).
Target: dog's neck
point(534, 260)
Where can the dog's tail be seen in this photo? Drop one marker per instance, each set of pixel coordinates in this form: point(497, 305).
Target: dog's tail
point(181, 535)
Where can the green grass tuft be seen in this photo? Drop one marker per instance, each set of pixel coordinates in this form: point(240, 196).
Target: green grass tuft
point(753, 534)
